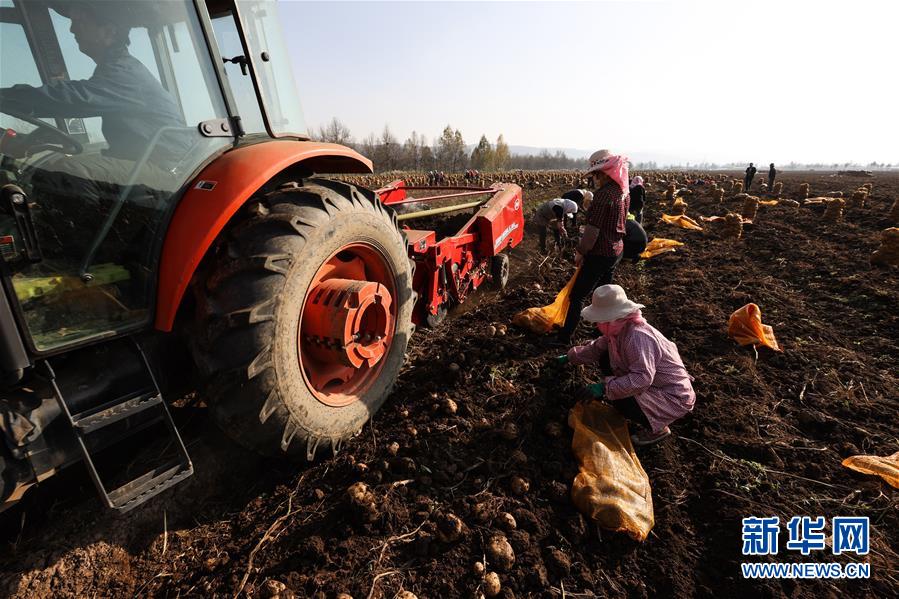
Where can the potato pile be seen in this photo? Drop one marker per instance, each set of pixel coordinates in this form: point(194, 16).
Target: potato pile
point(750, 207)
point(858, 197)
point(888, 253)
point(833, 211)
point(733, 226)
point(894, 212)
point(670, 192)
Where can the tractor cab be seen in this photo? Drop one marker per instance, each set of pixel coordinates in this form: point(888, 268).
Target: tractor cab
point(131, 133)
point(108, 110)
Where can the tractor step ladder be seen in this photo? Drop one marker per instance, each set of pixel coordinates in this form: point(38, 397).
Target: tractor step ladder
point(84, 424)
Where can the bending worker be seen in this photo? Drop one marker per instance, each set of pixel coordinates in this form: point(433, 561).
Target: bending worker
point(553, 214)
point(602, 242)
point(646, 379)
point(638, 198)
point(581, 197)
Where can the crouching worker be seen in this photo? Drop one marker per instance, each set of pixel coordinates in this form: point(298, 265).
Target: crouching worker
point(647, 381)
point(553, 214)
point(635, 240)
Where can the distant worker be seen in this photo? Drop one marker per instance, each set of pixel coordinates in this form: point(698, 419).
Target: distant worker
point(553, 214)
point(645, 378)
point(638, 198)
point(750, 173)
point(581, 197)
point(600, 247)
point(635, 240)
point(772, 173)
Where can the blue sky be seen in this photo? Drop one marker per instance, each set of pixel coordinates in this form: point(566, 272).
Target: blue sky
point(694, 81)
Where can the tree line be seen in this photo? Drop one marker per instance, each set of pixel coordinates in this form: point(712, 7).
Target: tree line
point(448, 152)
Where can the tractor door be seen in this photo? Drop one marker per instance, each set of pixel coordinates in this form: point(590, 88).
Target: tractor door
point(258, 66)
point(107, 109)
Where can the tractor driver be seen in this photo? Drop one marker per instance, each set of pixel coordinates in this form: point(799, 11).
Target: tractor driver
point(122, 91)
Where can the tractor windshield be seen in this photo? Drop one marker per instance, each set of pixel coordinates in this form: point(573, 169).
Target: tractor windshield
point(99, 106)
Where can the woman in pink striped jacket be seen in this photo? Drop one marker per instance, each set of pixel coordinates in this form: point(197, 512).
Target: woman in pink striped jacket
point(648, 383)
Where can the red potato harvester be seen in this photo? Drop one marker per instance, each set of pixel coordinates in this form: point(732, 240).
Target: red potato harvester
point(448, 269)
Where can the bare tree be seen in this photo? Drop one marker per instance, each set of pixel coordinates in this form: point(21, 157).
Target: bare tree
point(335, 132)
point(388, 150)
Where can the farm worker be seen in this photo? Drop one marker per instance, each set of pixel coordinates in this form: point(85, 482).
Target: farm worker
point(638, 197)
point(750, 173)
point(647, 381)
point(602, 242)
point(581, 197)
point(772, 173)
point(553, 213)
point(635, 240)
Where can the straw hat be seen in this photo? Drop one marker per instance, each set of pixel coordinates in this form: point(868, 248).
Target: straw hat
point(597, 159)
point(609, 303)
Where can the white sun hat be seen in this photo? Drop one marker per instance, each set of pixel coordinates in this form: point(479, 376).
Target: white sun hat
point(609, 303)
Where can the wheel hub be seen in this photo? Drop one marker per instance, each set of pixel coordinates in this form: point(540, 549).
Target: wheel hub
point(348, 322)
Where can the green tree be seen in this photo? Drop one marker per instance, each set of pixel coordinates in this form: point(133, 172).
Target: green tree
point(501, 154)
point(460, 156)
point(444, 150)
point(482, 155)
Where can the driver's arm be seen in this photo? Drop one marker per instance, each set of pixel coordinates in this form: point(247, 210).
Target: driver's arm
point(84, 98)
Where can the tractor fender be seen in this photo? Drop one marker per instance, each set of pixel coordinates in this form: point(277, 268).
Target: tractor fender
point(218, 192)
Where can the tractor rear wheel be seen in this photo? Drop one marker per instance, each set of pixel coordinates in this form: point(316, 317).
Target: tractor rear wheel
point(304, 313)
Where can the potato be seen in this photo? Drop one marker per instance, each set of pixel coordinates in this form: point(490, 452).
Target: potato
point(518, 457)
point(362, 502)
point(519, 486)
point(553, 430)
point(491, 584)
point(506, 521)
point(449, 528)
point(500, 552)
point(509, 432)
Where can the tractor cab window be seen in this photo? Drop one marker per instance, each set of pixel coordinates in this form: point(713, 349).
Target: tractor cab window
point(100, 102)
point(263, 44)
point(262, 26)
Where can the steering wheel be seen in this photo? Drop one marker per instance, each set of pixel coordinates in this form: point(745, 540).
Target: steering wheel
point(66, 143)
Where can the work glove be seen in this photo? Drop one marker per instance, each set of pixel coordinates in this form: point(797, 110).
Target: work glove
point(590, 392)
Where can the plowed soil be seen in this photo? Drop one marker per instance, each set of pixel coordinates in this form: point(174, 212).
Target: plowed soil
point(766, 438)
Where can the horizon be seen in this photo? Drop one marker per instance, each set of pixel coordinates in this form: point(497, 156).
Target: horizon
point(817, 93)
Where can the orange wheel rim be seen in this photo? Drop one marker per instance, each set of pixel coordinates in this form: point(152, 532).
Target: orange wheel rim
point(347, 325)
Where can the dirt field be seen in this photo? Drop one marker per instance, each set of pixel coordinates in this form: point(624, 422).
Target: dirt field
point(766, 438)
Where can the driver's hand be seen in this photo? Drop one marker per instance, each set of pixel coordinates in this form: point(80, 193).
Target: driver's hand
point(13, 144)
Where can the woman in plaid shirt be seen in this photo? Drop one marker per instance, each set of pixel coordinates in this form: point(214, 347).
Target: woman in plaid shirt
point(600, 247)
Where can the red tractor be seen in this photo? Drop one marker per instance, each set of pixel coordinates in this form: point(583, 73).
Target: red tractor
point(159, 215)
